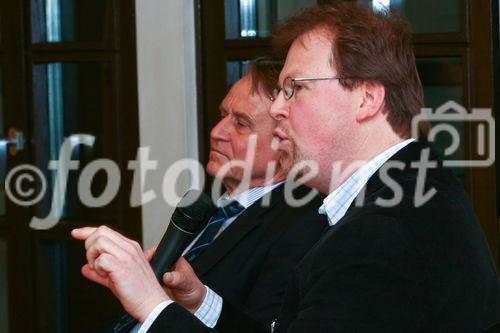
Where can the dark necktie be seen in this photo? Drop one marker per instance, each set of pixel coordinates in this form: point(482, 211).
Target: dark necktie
point(222, 214)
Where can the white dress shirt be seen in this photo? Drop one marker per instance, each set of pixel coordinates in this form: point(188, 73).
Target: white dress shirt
point(210, 309)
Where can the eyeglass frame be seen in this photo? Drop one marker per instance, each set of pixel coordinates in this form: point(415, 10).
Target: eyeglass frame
point(276, 91)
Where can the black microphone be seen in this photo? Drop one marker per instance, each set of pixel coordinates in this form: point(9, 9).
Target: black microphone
point(190, 217)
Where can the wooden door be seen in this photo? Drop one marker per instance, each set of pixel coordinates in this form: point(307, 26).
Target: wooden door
point(68, 72)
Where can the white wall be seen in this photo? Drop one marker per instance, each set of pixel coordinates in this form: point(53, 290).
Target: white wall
point(167, 98)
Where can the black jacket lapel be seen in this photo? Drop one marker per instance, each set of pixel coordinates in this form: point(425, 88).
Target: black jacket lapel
point(408, 154)
point(245, 223)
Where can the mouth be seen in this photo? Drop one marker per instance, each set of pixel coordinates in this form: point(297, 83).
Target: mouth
point(279, 135)
point(279, 139)
point(214, 153)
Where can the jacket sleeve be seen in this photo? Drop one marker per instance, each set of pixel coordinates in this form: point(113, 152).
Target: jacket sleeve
point(175, 318)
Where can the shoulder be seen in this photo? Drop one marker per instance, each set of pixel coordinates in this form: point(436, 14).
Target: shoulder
point(296, 213)
point(429, 217)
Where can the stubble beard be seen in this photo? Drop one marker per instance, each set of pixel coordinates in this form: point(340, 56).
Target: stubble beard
point(291, 157)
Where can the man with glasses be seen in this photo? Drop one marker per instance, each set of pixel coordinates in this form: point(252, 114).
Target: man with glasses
point(404, 251)
point(289, 85)
point(249, 248)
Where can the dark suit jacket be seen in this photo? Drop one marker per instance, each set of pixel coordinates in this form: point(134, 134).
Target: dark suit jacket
point(397, 269)
point(250, 262)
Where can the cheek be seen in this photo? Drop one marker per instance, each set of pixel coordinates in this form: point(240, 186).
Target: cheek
point(319, 121)
point(307, 131)
point(239, 148)
point(264, 156)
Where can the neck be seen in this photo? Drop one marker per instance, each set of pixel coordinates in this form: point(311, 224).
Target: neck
point(365, 150)
point(235, 187)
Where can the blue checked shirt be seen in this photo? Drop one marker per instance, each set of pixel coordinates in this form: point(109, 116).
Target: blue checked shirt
point(210, 309)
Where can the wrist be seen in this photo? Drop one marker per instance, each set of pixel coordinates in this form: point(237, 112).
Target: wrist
point(196, 306)
point(149, 304)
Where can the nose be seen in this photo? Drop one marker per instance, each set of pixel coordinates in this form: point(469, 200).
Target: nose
point(219, 132)
point(280, 108)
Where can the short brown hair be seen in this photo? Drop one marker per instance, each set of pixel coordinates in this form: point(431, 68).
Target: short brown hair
point(366, 47)
point(265, 72)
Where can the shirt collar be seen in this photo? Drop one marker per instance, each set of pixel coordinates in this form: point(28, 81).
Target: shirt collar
point(336, 204)
point(248, 197)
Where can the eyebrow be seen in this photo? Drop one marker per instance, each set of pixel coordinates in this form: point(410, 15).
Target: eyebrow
point(237, 114)
point(292, 74)
point(243, 116)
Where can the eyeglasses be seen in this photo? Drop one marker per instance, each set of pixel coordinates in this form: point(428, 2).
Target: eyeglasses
point(289, 85)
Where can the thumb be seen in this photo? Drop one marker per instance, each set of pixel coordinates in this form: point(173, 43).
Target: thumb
point(176, 280)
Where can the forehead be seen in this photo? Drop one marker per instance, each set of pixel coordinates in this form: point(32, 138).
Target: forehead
point(309, 55)
point(241, 90)
point(241, 99)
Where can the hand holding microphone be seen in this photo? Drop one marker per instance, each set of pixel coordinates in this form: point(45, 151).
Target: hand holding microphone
point(190, 217)
point(119, 263)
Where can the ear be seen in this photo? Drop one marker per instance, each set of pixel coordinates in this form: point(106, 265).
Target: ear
point(372, 102)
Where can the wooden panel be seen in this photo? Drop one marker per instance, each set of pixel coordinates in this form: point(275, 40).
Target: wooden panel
point(44, 266)
point(484, 193)
point(71, 21)
point(67, 301)
point(4, 284)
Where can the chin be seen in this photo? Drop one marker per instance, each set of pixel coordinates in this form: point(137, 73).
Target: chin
point(212, 168)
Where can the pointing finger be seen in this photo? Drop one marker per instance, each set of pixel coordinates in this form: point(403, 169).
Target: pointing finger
point(82, 233)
